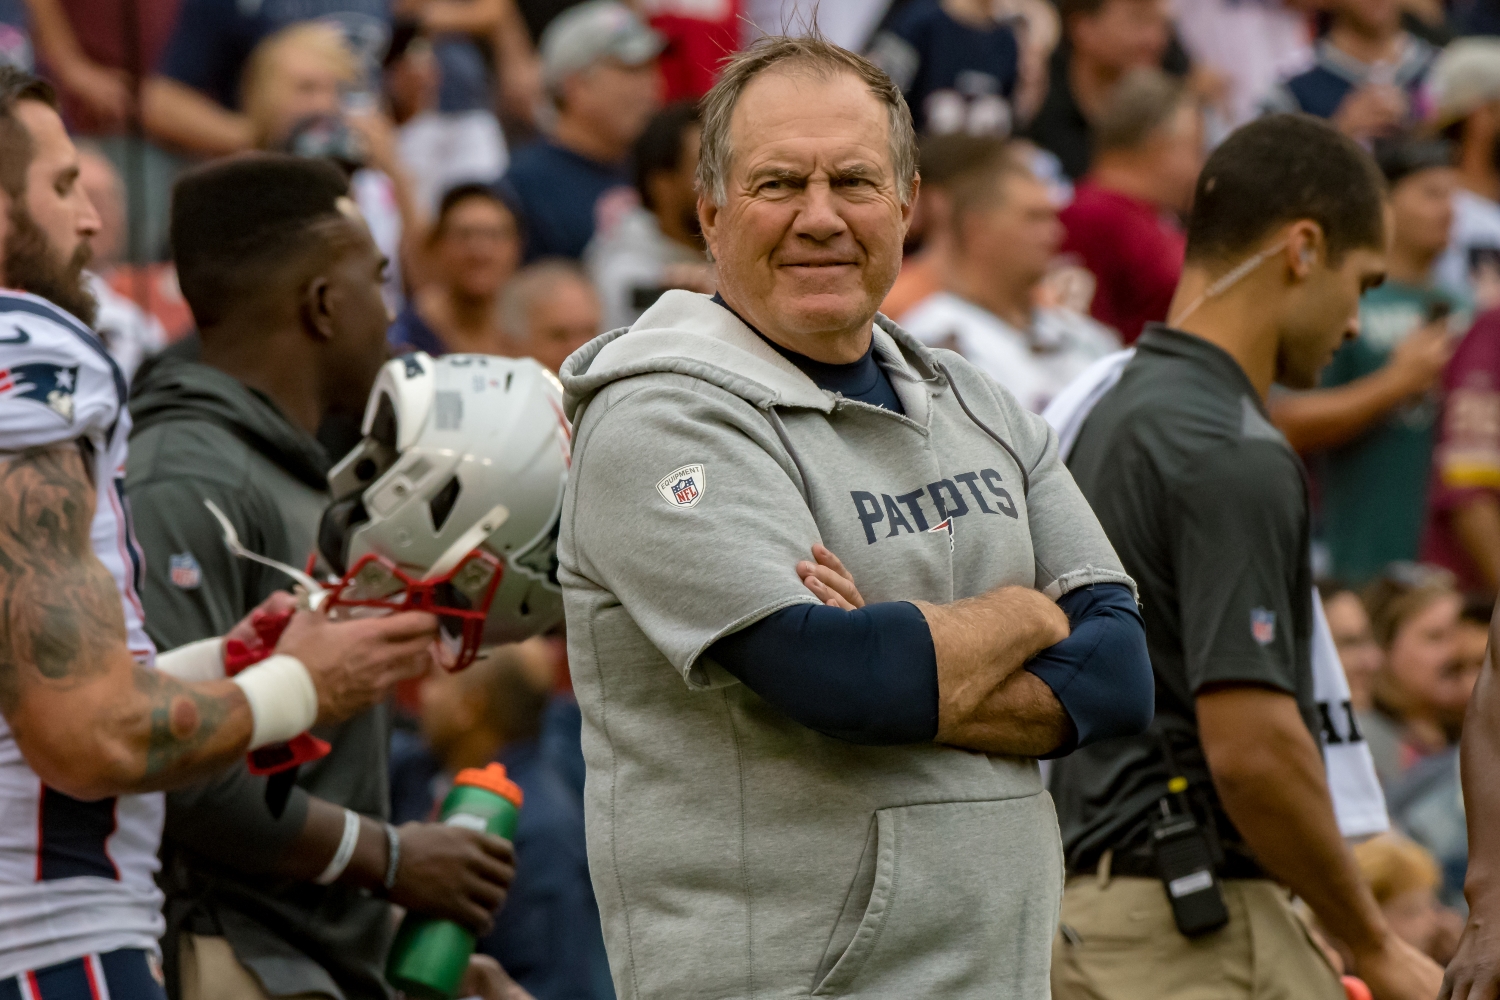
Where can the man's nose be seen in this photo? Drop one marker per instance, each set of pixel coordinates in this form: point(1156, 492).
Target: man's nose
point(89, 222)
point(820, 219)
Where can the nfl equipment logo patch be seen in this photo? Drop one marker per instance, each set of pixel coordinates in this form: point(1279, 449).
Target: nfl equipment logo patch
point(1263, 626)
point(184, 571)
point(683, 487)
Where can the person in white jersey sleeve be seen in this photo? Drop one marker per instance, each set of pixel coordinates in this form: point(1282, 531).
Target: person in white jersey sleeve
point(93, 722)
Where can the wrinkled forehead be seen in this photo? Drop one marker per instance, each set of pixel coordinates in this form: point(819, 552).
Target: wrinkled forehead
point(806, 117)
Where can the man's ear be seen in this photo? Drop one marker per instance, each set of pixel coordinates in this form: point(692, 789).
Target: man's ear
point(1305, 247)
point(317, 308)
point(910, 206)
point(708, 221)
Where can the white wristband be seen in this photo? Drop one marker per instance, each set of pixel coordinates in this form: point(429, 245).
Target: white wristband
point(341, 857)
point(197, 661)
point(283, 700)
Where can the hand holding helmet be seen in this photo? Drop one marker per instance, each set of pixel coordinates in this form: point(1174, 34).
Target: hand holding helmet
point(450, 503)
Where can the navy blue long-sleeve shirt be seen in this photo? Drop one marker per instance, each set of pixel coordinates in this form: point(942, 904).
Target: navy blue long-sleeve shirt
point(870, 676)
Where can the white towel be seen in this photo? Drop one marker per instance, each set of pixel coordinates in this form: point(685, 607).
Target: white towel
point(1358, 801)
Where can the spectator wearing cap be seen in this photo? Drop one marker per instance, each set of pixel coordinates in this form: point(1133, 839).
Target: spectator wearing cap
point(1376, 415)
point(1366, 75)
point(474, 249)
point(659, 244)
point(1122, 224)
point(1465, 86)
point(1103, 40)
point(599, 67)
point(549, 311)
point(1004, 235)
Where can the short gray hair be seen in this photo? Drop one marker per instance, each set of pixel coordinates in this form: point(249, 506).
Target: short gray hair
point(531, 283)
point(809, 53)
point(1144, 101)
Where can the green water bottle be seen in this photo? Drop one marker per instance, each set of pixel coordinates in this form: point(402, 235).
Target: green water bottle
point(430, 956)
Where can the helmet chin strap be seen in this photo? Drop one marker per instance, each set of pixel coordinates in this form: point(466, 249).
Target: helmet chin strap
point(469, 541)
point(315, 592)
point(1229, 280)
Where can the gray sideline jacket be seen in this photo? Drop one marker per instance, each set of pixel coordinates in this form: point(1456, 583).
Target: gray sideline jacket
point(736, 853)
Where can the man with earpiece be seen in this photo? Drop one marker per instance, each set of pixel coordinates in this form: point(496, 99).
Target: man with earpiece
point(1181, 842)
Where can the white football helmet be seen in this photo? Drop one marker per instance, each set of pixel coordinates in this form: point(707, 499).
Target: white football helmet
point(450, 503)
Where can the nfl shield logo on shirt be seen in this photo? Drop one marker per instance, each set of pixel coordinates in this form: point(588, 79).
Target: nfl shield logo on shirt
point(1263, 625)
point(683, 487)
point(184, 571)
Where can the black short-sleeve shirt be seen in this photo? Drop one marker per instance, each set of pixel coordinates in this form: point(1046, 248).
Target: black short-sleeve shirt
point(1206, 504)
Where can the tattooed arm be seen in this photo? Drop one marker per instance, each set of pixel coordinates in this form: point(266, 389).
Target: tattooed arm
point(88, 719)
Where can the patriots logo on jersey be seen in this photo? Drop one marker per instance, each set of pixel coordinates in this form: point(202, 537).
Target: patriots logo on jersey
point(947, 526)
point(51, 385)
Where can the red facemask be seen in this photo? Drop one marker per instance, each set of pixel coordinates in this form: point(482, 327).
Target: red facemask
point(461, 598)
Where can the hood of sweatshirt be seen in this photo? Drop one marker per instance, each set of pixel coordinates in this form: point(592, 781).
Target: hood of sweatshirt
point(176, 390)
point(690, 334)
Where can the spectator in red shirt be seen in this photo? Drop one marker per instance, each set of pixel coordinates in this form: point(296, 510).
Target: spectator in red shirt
point(700, 35)
point(1463, 516)
point(1122, 225)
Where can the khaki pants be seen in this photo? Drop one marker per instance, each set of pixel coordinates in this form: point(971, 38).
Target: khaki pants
point(1117, 941)
point(209, 971)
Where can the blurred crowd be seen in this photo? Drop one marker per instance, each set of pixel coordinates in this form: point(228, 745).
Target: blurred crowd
point(526, 167)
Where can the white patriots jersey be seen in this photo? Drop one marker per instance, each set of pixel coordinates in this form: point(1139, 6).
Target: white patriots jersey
point(75, 877)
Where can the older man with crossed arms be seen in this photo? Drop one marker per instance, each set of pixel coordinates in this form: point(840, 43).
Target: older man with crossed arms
point(811, 773)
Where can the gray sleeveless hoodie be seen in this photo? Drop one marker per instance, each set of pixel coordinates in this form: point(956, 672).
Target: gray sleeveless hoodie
point(736, 853)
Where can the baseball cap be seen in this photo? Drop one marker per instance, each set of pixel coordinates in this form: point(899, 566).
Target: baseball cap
point(580, 36)
point(1465, 76)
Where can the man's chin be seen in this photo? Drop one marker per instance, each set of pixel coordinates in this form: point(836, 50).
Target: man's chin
point(819, 313)
point(1300, 377)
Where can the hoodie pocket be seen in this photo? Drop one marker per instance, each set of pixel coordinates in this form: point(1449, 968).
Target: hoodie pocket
point(951, 899)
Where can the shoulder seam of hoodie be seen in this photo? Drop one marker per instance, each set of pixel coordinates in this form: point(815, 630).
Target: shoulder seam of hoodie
point(692, 384)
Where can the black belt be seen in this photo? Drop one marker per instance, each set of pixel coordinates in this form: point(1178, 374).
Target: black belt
point(1135, 864)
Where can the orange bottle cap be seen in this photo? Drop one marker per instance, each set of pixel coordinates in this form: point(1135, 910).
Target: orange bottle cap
point(492, 778)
